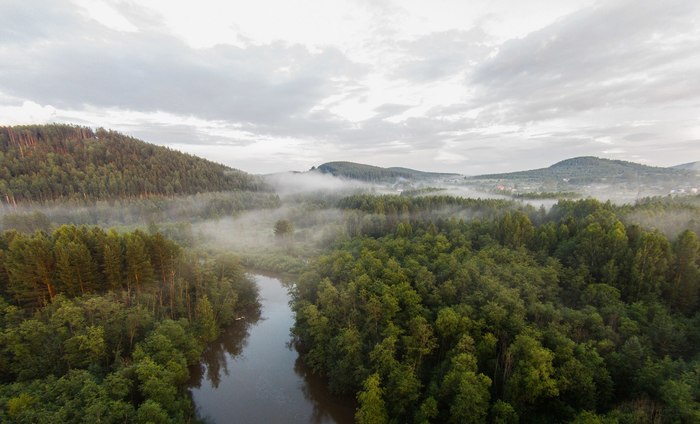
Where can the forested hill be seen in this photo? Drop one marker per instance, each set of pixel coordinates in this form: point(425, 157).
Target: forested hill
point(587, 169)
point(62, 162)
point(358, 171)
point(692, 166)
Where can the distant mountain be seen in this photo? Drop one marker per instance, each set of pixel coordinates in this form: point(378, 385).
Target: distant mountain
point(692, 166)
point(358, 171)
point(589, 169)
point(56, 162)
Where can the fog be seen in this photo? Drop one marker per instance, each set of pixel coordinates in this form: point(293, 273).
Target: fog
point(255, 229)
point(669, 222)
point(130, 212)
point(243, 222)
point(293, 183)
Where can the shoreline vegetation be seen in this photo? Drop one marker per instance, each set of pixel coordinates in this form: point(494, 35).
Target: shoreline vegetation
point(102, 326)
point(573, 317)
point(425, 307)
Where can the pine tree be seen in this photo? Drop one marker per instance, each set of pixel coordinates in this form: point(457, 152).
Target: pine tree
point(205, 319)
point(686, 282)
point(114, 253)
point(139, 271)
point(372, 409)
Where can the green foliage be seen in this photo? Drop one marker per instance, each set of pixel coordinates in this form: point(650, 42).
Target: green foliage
point(371, 409)
point(685, 284)
point(519, 316)
point(52, 162)
point(205, 319)
point(531, 375)
point(113, 339)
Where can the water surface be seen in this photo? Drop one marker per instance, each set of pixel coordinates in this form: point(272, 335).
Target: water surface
point(251, 375)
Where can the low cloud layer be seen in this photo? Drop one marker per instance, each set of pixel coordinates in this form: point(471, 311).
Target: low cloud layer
point(506, 87)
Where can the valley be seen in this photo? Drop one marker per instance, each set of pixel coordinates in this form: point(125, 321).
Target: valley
point(136, 293)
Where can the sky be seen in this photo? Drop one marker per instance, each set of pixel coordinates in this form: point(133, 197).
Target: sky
point(472, 87)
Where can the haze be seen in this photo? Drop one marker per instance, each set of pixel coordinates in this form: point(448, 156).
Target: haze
point(452, 86)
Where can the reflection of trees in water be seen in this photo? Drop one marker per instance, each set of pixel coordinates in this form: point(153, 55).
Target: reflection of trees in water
point(232, 342)
point(326, 407)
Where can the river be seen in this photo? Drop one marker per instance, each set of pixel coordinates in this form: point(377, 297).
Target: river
point(252, 375)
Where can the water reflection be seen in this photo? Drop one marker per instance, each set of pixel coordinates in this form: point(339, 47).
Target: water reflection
point(252, 375)
point(231, 343)
point(326, 407)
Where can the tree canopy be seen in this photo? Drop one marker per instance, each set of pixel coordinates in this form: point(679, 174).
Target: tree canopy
point(44, 163)
point(515, 316)
point(100, 326)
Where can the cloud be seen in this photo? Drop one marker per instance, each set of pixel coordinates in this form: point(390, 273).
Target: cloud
point(90, 64)
point(617, 54)
point(22, 22)
point(27, 112)
point(441, 54)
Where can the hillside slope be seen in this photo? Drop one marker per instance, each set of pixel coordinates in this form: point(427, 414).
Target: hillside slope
point(61, 162)
point(588, 169)
point(692, 166)
point(358, 171)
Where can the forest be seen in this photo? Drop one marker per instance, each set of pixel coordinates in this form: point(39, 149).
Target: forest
point(48, 163)
point(514, 316)
point(115, 274)
point(362, 172)
point(588, 169)
point(100, 326)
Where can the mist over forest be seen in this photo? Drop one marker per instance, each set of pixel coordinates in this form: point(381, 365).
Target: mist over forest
point(424, 297)
point(337, 211)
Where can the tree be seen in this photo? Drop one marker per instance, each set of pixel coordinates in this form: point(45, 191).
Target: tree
point(532, 378)
point(86, 348)
point(30, 266)
point(114, 254)
point(466, 392)
point(75, 267)
point(371, 409)
point(206, 322)
point(151, 412)
point(649, 267)
point(503, 413)
point(139, 271)
point(283, 228)
point(686, 282)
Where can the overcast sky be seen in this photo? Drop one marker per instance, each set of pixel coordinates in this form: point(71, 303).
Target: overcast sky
point(473, 87)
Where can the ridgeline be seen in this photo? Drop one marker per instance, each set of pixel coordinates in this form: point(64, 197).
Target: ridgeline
point(358, 171)
point(43, 163)
point(589, 169)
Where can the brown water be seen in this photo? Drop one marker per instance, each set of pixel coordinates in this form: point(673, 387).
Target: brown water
point(251, 375)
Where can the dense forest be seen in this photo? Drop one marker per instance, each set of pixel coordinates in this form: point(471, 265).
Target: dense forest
point(98, 326)
point(61, 162)
point(514, 315)
point(427, 308)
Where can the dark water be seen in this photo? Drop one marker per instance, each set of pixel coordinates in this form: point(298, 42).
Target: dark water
point(251, 375)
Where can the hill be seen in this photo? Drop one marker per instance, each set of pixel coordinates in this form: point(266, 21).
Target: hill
point(358, 171)
point(692, 166)
point(589, 169)
point(61, 162)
